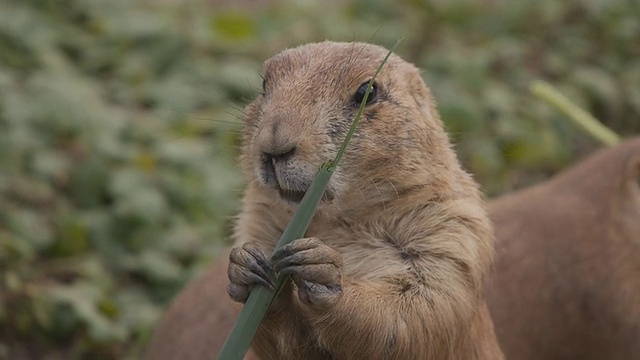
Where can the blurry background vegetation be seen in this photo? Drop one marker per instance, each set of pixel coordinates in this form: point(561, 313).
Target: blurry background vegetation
point(119, 123)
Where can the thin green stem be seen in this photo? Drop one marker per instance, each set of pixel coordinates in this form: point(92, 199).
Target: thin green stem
point(581, 118)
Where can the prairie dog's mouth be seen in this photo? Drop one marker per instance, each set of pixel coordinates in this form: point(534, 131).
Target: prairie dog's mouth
point(291, 195)
point(296, 196)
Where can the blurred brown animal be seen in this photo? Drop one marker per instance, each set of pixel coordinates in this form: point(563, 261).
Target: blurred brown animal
point(566, 284)
point(395, 258)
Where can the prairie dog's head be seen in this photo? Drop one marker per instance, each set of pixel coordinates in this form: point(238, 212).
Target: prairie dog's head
point(310, 98)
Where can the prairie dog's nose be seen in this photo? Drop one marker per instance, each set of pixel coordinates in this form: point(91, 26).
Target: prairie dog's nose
point(275, 155)
point(275, 144)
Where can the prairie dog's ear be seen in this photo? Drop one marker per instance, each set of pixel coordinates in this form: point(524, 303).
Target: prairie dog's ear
point(630, 194)
point(632, 172)
point(423, 97)
point(636, 172)
point(636, 175)
point(634, 181)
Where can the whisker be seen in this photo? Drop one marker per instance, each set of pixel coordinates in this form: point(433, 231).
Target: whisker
point(394, 188)
point(209, 120)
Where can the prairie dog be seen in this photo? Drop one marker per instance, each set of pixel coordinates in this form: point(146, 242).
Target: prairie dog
point(394, 261)
point(566, 283)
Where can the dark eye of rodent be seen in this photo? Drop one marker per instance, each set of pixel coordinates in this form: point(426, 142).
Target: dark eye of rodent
point(264, 85)
point(373, 94)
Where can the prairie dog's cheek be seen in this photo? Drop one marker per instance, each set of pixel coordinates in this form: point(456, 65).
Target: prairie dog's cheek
point(338, 182)
point(251, 114)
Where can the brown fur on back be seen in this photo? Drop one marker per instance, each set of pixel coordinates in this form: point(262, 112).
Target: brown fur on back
point(407, 221)
point(566, 284)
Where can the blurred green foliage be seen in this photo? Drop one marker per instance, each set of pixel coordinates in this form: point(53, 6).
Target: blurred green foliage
point(119, 123)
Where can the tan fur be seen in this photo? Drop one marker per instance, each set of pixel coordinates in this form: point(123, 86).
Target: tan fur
point(407, 222)
point(567, 280)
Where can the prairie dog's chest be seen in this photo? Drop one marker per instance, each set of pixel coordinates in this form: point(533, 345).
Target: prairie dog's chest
point(364, 254)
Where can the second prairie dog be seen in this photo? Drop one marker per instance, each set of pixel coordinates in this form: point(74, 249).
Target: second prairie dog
point(566, 282)
point(394, 261)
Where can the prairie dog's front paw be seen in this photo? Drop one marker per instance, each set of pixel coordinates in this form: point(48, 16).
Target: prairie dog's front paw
point(314, 267)
point(248, 267)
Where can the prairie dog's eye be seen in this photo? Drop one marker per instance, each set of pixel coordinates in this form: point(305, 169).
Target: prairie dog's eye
point(373, 94)
point(264, 84)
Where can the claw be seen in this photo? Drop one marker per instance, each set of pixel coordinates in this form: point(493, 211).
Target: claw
point(293, 248)
point(248, 266)
point(308, 251)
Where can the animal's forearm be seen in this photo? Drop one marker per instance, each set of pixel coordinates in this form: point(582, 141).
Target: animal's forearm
point(383, 324)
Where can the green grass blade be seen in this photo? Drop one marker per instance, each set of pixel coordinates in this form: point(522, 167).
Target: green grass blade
point(260, 299)
point(585, 121)
point(254, 310)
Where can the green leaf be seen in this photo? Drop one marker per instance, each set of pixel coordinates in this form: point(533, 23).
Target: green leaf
point(84, 299)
